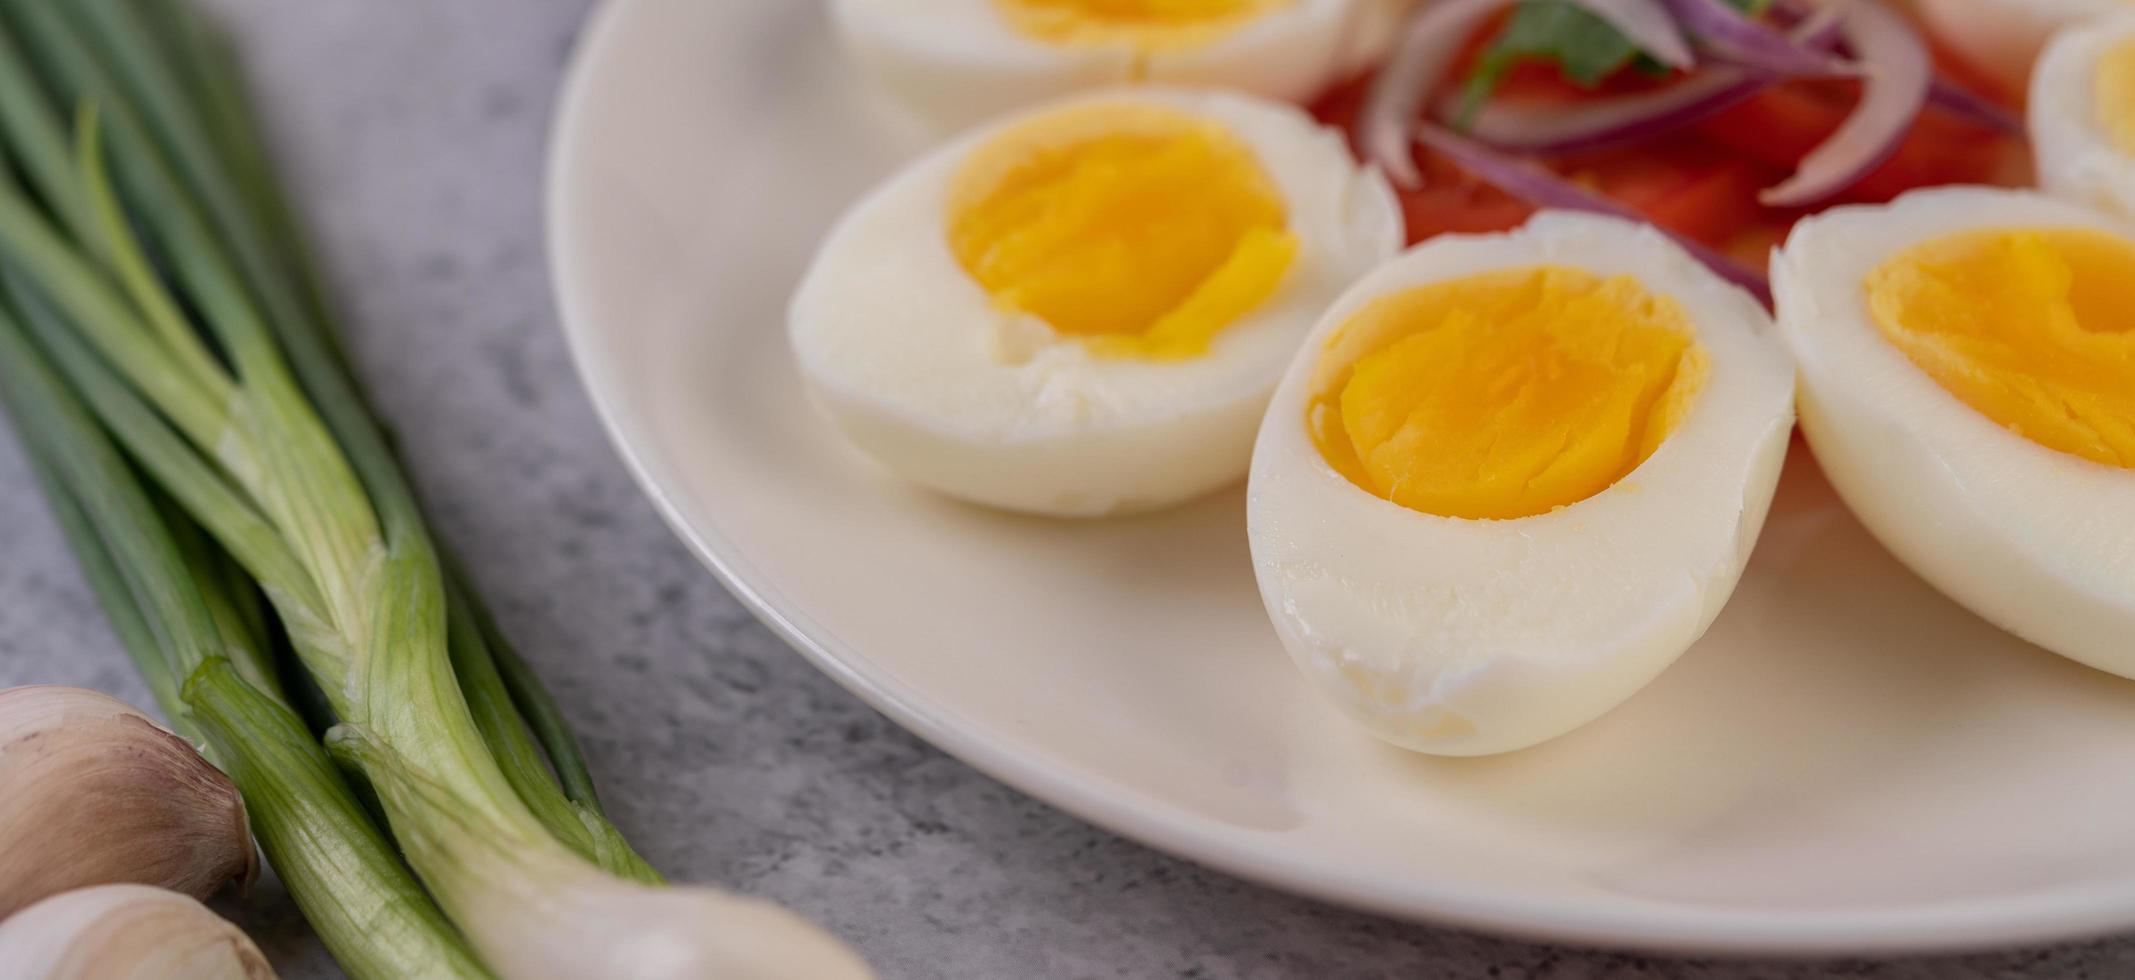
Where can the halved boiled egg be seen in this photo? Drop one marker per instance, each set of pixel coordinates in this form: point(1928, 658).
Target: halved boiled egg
point(959, 61)
point(2003, 37)
point(1510, 478)
point(1968, 382)
point(2082, 113)
point(1082, 310)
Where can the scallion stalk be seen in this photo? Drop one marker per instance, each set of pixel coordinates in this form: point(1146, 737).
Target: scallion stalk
point(216, 156)
point(340, 869)
point(203, 346)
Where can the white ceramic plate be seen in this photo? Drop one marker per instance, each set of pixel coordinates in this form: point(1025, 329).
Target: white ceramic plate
point(1846, 763)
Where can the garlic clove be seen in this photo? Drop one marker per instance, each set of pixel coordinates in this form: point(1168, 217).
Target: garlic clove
point(93, 792)
point(126, 932)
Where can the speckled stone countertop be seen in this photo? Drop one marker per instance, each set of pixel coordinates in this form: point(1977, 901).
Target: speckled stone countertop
point(415, 131)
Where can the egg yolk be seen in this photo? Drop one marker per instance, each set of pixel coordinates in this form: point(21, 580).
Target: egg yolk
point(1142, 24)
point(2034, 329)
point(1506, 394)
point(2113, 89)
point(1142, 231)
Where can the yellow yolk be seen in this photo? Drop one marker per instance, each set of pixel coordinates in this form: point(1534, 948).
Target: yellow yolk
point(2113, 88)
point(1142, 24)
point(1141, 230)
point(2033, 329)
point(1504, 395)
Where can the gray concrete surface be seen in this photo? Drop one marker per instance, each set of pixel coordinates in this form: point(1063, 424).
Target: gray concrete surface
point(414, 130)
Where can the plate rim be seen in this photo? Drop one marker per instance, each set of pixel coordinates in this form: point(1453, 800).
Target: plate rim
point(1966, 925)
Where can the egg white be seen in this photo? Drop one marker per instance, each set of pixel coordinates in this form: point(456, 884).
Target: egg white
point(1468, 637)
point(956, 62)
point(2003, 37)
point(917, 365)
point(2034, 540)
point(2076, 157)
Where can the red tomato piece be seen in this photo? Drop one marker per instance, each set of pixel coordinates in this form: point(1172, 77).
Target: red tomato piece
point(1682, 183)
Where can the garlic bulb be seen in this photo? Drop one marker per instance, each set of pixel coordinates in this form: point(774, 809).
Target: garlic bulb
point(125, 932)
point(93, 792)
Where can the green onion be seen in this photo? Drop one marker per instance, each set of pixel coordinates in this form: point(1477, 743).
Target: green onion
point(165, 279)
point(337, 865)
point(261, 233)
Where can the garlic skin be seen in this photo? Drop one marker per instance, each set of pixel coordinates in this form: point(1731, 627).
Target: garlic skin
point(93, 792)
point(126, 932)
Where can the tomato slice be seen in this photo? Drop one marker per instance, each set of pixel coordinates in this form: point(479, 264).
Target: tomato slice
point(1338, 106)
point(1453, 201)
point(1683, 183)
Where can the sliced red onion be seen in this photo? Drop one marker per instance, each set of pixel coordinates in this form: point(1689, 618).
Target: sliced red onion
point(1607, 120)
point(1817, 27)
point(1896, 74)
point(1805, 50)
point(1435, 35)
point(1743, 40)
point(1433, 38)
point(1545, 189)
point(1760, 55)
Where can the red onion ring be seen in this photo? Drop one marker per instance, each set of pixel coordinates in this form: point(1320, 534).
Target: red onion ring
point(1743, 40)
point(1758, 54)
point(1435, 35)
point(1817, 26)
point(1805, 51)
point(1545, 189)
point(1897, 74)
point(1608, 120)
point(1775, 56)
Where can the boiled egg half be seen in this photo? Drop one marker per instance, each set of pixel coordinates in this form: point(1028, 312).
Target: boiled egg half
point(1082, 310)
point(2082, 113)
point(959, 61)
point(1968, 382)
point(1510, 478)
